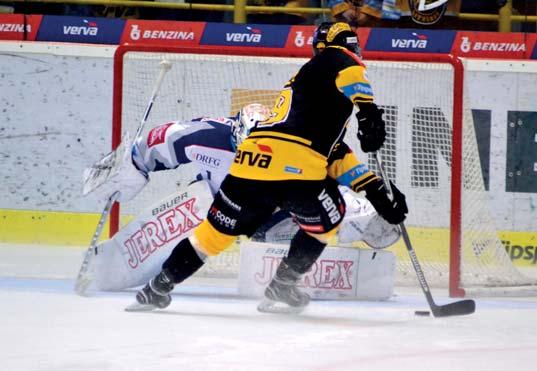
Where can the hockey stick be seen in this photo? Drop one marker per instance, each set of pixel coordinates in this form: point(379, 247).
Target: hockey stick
point(457, 308)
point(84, 279)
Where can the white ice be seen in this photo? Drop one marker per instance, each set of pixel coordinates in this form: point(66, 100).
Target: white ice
point(45, 326)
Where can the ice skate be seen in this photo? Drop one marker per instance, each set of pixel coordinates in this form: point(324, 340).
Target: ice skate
point(154, 295)
point(282, 295)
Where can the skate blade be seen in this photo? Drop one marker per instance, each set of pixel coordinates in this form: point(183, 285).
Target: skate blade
point(271, 306)
point(137, 307)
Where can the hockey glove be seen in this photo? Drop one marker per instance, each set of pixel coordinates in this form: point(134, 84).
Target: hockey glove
point(393, 211)
point(371, 127)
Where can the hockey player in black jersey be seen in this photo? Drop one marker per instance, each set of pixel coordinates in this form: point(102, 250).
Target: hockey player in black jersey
point(293, 160)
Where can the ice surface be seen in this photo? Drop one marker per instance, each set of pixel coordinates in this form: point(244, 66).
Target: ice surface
point(45, 326)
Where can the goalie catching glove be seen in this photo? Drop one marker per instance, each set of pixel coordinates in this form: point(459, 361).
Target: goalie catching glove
point(371, 127)
point(115, 172)
point(393, 211)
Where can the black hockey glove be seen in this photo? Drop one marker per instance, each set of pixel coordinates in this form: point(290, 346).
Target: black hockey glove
point(393, 211)
point(371, 127)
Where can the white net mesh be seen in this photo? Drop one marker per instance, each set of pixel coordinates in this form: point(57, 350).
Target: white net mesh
point(418, 102)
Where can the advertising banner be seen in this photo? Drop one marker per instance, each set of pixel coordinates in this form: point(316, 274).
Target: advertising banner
point(409, 40)
point(300, 39)
point(165, 33)
point(512, 45)
point(271, 36)
point(19, 27)
point(81, 30)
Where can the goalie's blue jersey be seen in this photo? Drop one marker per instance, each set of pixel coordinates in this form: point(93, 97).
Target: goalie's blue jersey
point(204, 142)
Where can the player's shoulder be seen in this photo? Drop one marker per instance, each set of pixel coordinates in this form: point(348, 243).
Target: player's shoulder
point(216, 122)
point(212, 132)
point(339, 58)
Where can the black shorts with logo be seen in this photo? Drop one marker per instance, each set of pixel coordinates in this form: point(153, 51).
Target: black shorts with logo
point(241, 206)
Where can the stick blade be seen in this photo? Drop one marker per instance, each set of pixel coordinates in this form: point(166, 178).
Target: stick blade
point(458, 308)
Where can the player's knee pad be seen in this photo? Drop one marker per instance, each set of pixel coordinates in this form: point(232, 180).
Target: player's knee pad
point(303, 252)
point(209, 240)
point(183, 262)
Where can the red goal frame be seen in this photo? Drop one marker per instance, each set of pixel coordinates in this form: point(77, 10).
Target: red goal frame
point(455, 289)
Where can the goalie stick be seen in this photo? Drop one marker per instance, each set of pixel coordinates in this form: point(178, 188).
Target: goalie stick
point(457, 308)
point(84, 278)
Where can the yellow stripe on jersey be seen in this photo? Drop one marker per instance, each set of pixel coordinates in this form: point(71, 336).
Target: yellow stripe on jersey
point(277, 159)
point(208, 239)
point(350, 172)
point(353, 82)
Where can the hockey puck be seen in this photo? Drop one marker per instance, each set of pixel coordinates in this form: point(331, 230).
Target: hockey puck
point(423, 313)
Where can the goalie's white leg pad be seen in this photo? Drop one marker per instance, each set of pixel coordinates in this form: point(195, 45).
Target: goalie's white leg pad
point(136, 253)
point(339, 273)
point(115, 172)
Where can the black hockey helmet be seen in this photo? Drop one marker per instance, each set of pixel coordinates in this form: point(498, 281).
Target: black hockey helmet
point(335, 33)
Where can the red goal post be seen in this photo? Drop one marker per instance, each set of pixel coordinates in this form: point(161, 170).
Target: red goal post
point(423, 95)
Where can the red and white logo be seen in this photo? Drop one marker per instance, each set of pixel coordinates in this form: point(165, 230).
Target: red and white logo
point(157, 135)
point(492, 45)
point(162, 32)
point(300, 39)
point(19, 27)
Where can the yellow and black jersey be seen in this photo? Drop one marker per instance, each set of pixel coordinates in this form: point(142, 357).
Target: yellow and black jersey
point(344, 166)
point(309, 118)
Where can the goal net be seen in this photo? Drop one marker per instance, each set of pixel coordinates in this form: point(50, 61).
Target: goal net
point(430, 152)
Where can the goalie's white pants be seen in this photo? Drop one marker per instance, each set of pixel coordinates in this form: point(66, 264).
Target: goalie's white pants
point(136, 253)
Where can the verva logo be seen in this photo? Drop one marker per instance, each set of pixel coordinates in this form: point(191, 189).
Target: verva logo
point(492, 45)
point(89, 29)
point(418, 41)
point(18, 26)
point(162, 32)
point(253, 36)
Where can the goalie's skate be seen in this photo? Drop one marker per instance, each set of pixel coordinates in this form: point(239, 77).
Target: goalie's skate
point(154, 295)
point(282, 295)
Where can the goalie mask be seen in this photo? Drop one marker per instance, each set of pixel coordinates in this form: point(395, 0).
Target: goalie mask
point(245, 120)
point(335, 33)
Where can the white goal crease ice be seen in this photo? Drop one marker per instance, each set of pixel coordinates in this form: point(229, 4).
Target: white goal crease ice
point(431, 150)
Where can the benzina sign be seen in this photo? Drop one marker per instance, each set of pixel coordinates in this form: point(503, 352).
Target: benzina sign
point(162, 32)
point(494, 45)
